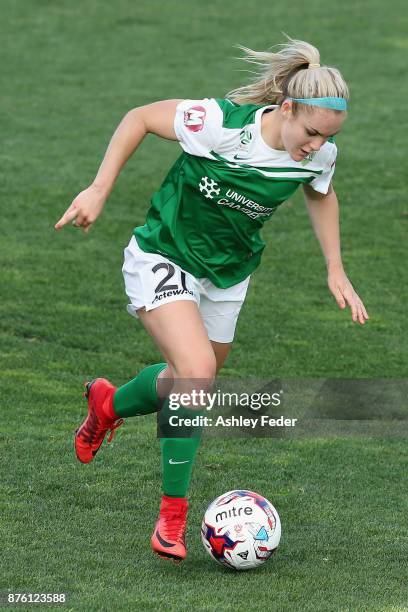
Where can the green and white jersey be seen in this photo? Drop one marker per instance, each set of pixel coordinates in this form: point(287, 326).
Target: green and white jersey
point(207, 215)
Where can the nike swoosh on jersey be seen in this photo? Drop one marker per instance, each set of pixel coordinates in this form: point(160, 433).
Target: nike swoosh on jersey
point(177, 462)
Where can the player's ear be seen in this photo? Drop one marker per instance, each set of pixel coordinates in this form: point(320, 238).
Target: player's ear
point(286, 108)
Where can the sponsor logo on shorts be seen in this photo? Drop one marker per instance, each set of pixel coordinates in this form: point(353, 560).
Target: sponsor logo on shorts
point(173, 292)
point(163, 288)
point(194, 118)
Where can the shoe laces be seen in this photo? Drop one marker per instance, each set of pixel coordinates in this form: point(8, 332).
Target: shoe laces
point(93, 432)
point(112, 429)
point(175, 523)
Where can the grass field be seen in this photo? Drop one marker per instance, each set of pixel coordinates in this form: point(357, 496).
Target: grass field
point(70, 71)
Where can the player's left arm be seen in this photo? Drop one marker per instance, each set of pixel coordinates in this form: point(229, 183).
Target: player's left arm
point(324, 215)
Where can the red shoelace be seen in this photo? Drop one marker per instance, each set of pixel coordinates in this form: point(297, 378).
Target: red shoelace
point(175, 524)
point(112, 429)
point(90, 433)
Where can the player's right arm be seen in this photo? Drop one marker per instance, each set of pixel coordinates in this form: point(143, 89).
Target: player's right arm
point(156, 118)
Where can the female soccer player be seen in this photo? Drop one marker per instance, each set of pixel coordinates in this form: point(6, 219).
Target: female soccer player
point(187, 269)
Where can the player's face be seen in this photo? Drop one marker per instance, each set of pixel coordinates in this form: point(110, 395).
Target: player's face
point(307, 132)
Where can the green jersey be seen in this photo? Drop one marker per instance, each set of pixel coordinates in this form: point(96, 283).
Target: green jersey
point(207, 215)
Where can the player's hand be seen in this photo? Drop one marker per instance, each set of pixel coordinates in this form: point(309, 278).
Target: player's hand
point(344, 293)
point(84, 210)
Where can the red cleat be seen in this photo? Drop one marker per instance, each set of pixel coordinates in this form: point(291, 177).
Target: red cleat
point(168, 539)
point(101, 419)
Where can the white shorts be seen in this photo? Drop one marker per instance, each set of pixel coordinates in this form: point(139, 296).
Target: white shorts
point(152, 280)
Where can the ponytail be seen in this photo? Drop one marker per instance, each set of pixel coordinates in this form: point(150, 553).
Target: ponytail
point(294, 71)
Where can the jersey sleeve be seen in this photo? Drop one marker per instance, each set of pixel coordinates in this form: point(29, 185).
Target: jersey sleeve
point(321, 183)
point(198, 125)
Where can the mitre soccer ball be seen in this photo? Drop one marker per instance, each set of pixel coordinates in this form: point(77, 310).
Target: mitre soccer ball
point(241, 529)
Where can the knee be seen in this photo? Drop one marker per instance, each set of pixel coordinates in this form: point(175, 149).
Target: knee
point(199, 368)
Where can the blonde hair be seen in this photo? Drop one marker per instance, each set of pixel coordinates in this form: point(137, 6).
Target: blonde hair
point(286, 73)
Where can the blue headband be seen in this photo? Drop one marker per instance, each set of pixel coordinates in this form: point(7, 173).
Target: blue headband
point(332, 103)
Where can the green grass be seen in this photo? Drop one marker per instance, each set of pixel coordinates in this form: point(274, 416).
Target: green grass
point(70, 71)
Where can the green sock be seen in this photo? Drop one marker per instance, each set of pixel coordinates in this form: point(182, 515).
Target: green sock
point(139, 396)
point(177, 476)
point(178, 454)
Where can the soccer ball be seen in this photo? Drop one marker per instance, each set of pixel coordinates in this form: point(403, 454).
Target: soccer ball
point(241, 529)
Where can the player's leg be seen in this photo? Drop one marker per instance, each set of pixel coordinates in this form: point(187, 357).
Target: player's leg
point(179, 333)
point(142, 394)
point(151, 280)
point(108, 405)
point(181, 337)
point(143, 274)
point(216, 320)
point(221, 351)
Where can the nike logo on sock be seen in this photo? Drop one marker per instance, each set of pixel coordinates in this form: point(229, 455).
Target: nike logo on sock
point(172, 462)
